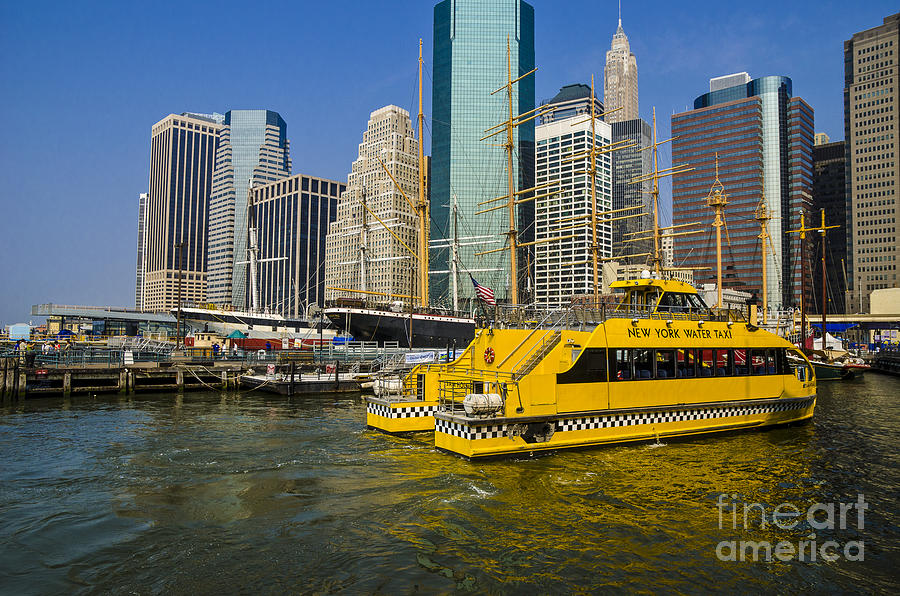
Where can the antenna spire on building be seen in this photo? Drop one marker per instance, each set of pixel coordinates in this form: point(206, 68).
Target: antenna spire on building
point(620, 14)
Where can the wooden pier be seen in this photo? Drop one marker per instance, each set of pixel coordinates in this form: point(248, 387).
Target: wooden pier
point(20, 382)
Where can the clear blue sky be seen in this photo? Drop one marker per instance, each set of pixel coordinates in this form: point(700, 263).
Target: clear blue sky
point(83, 82)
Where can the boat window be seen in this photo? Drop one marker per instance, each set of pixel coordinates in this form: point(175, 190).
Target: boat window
point(686, 363)
point(771, 368)
point(723, 363)
point(620, 362)
point(589, 368)
point(784, 366)
point(758, 362)
point(740, 362)
point(643, 364)
point(707, 363)
point(665, 364)
point(696, 301)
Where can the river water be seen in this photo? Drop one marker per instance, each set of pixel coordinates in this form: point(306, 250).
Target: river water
point(246, 492)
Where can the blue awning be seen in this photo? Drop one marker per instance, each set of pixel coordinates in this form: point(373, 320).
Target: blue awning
point(836, 327)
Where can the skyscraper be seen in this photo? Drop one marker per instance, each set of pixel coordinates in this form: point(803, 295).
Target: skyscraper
point(141, 251)
point(829, 194)
point(871, 104)
point(563, 268)
point(182, 154)
point(253, 145)
point(470, 62)
point(572, 100)
point(361, 252)
point(620, 79)
point(631, 163)
point(292, 217)
point(763, 138)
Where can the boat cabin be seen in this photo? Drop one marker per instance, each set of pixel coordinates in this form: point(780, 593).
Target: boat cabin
point(656, 296)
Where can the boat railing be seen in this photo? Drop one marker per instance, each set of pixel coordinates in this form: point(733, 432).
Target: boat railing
point(582, 313)
point(453, 390)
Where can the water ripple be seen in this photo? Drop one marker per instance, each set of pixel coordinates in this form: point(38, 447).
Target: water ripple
point(230, 492)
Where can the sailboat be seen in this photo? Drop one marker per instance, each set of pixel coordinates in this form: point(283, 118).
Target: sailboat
point(421, 326)
point(830, 362)
point(257, 326)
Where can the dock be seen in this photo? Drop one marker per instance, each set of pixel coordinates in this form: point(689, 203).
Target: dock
point(20, 382)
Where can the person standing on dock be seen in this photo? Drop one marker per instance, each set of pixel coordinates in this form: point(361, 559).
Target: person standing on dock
point(30, 355)
point(215, 348)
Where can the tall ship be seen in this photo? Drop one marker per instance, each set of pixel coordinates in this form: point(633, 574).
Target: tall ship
point(257, 323)
point(405, 318)
point(652, 362)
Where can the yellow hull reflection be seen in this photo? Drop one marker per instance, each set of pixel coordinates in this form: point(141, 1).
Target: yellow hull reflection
point(473, 437)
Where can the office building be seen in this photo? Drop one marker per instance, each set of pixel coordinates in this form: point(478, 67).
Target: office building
point(871, 105)
point(292, 217)
point(253, 145)
point(821, 139)
point(563, 268)
point(141, 251)
point(182, 155)
point(620, 79)
point(361, 250)
point(763, 138)
point(632, 161)
point(572, 100)
point(667, 249)
point(829, 193)
point(470, 62)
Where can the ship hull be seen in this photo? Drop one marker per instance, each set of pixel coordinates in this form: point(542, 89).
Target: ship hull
point(826, 371)
point(475, 438)
point(428, 331)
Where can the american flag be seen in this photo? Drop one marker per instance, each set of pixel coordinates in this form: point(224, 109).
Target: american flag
point(484, 292)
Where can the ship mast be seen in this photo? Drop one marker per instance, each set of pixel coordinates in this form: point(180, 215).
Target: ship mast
point(595, 248)
point(822, 231)
point(654, 176)
point(253, 259)
point(422, 205)
point(513, 233)
point(511, 201)
point(454, 257)
point(763, 217)
point(655, 260)
point(717, 200)
point(363, 244)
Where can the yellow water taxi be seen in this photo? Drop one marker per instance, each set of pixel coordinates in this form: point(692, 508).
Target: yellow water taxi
point(660, 364)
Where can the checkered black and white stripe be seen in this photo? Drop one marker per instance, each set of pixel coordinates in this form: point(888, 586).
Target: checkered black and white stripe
point(591, 422)
point(402, 412)
point(490, 431)
point(493, 431)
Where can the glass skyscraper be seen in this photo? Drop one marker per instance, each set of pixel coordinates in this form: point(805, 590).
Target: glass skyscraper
point(253, 144)
point(470, 62)
point(763, 139)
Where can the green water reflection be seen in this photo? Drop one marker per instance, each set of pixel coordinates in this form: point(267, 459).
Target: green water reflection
point(245, 492)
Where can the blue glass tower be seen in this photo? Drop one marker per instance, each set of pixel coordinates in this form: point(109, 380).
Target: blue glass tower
point(253, 145)
point(470, 61)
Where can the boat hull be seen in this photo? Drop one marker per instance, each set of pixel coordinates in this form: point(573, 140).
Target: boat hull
point(477, 437)
point(837, 372)
point(399, 417)
point(431, 331)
